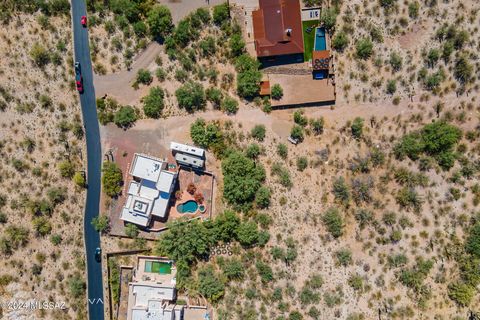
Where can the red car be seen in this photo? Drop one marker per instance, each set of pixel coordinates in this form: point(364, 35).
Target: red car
point(83, 21)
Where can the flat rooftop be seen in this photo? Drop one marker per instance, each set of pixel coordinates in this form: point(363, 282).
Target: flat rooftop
point(146, 167)
point(302, 89)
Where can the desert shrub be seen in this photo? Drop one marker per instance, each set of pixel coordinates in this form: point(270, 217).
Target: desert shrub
point(215, 96)
point(229, 105)
point(297, 133)
point(282, 150)
point(341, 191)
point(364, 48)
point(397, 260)
point(302, 163)
point(357, 128)
point(340, 41)
point(258, 132)
point(248, 76)
point(247, 233)
point(144, 77)
point(131, 230)
point(461, 293)
point(233, 269)
point(333, 222)
point(253, 151)
point(463, 70)
point(317, 125)
point(361, 189)
point(191, 96)
point(472, 244)
point(237, 45)
point(299, 118)
point(262, 197)
point(396, 61)
point(67, 169)
point(265, 271)
point(277, 92)
point(329, 18)
point(391, 86)
point(220, 13)
point(344, 257)
point(153, 103)
point(413, 8)
point(76, 286)
point(112, 179)
point(356, 282)
point(40, 55)
point(206, 135)
point(414, 277)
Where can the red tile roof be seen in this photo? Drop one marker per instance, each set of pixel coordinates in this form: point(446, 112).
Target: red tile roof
point(277, 28)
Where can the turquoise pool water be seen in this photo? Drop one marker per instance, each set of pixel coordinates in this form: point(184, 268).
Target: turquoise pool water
point(190, 206)
point(320, 41)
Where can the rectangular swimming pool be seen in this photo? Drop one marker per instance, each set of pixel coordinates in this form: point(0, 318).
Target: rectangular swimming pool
point(320, 40)
point(158, 267)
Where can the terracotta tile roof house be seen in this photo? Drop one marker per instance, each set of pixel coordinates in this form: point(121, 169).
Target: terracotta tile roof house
point(277, 28)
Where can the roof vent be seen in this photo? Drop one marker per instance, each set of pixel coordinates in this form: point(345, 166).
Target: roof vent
point(288, 32)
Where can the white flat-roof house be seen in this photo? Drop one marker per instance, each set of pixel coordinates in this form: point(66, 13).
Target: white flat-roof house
point(151, 294)
point(149, 192)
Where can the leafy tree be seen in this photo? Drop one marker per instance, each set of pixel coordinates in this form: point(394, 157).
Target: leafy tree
point(258, 132)
point(215, 96)
point(414, 277)
point(191, 96)
point(262, 197)
point(140, 29)
point(144, 77)
point(237, 45)
point(101, 223)
point(226, 226)
point(247, 233)
point(153, 104)
point(112, 179)
point(357, 128)
point(340, 41)
point(463, 70)
point(299, 118)
point(230, 105)
point(125, 117)
point(333, 221)
point(40, 55)
point(205, 135)
point(297, 133)
point(277, 92)
point(209, 284)
point(221, 13)
point(253, 151)
point(159, 20)
point(248, 83)
point(364, 48)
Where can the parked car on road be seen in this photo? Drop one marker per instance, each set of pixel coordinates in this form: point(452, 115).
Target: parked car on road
point(78, 77)
point(98, 254)
point(83, 21)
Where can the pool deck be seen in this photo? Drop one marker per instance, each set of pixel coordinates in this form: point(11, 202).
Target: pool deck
point(141, 275)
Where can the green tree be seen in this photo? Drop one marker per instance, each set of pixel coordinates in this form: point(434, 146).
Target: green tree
point(317, 125)
point(364, 48)
point(112, 179)
point(391, 86)
point(253, 151)
point(144, 77)
point(463, 69)
point(220, 13)
point(236, 44)
point(265, 271)
point(229, 105)
point(242, 179)
point(277, 92)
point(333, 221)
point(209, 284)
point(248, 83)
point(159, 20)
point(302, 163)
point(153, 104)
point(205, 135)
point(225, 226)
point(461, 293)
point(329, 18)
point(396, 61)
point(248, 233)
point(472, 244)
point(101, 223)
point(341, 191)
point(357, 128)
point(262, 197)
point(191, 96)
point(215, 96)
point(125, 117)
point(282, 150)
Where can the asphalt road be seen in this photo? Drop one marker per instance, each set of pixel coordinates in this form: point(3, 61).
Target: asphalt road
point(94, 157)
